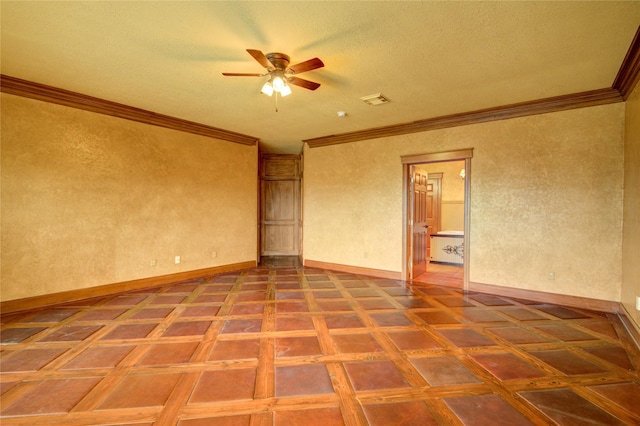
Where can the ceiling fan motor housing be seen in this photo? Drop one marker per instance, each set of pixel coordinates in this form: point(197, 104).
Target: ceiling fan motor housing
point(279, 60)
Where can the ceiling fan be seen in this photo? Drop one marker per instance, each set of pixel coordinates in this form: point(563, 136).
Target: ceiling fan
point(280, 72)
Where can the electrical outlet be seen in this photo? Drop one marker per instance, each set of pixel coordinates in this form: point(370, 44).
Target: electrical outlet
point(154, 262)
point(177, 260)
point(214, 254)
point(637, 303)
point(551, 276)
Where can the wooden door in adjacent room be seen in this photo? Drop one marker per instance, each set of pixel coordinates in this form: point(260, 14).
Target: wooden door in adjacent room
point(280, 224)
point(434, 195)
point(419, 222)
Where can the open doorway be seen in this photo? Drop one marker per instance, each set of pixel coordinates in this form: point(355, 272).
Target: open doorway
point(436, 214)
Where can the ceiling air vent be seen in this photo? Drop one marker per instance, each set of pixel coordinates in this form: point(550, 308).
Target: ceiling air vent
point(376, 99)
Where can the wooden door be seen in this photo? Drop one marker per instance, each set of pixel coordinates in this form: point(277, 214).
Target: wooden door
point(280, 205)
point(420, 236)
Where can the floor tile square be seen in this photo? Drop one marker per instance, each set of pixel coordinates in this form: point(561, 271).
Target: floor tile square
point(99, 357)
point(623, 394)
point(568, 408)
point(507, 366)
point(149, 313)
point(567, 362)
point(147, 390)
point(444, 371)
point(299, 380)
point(210, 298)
point(187, 328)
point(411, 413)
point(517, 335)
point(482, 410)
point(127, 300)
point(51, 396)
point(102, 314)
point(168, 353)
point(375, 375)
point(289, 295)
point(356, 343)
point(252, 296)
point(329, 416)
point(398, 291)
point(252, 309)
point(413, 340)
point(167, 300)
point(29, 359)
point(130, 331)
point(242, 326)
point(316, 285)
point(73, 333)
point(601, 327)
point(327, 294)
point(413, 302)
point(489, 300)
point(466, 338)
point(294, 323)
point(454, 301)
point(343, 321)
point(225, 385)
point(288, 307)
point(200, 311)
point(217, 288)
point(560, 312)
point(565, 332)
point(181, 288)
point(374, 304)
point(390, 319)
point(235, 349)
point(334, 306)
point(522, 314)
point(480, 315)
point(354, 284)
point(436, 317)
point(363, 292)
point(297, 346)
point(17, 335)
point(614, 354)
point(51, 315)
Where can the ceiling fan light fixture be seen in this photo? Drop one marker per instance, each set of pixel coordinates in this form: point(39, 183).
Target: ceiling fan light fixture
point(285, 91)
point(267, 89)
point(278, 83)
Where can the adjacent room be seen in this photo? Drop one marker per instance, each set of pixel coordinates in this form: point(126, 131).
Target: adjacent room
point(319, 213)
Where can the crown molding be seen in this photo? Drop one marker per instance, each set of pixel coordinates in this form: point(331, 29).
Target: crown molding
point(29, 89)
point(629, 72)
point(541, 106)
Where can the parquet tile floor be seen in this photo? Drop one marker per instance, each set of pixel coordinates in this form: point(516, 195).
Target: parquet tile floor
point(301, 346)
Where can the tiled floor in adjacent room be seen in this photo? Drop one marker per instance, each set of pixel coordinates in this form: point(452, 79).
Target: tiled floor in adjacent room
point(300, 346)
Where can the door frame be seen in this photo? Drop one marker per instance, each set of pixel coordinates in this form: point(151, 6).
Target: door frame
point(407, 199)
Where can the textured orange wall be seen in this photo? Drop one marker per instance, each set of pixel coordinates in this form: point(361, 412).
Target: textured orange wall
point(631, 238)
point(546, 196)
point(89, 199)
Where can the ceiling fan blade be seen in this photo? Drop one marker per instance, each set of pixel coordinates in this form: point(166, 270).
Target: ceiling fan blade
point(303, 83)
point(261, 58)
point(237, 74)
point(305, 66)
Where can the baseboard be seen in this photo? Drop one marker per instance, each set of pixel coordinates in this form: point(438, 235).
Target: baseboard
point(553, 298)
point(630, 325)
point(378, 273)
point(45, 300)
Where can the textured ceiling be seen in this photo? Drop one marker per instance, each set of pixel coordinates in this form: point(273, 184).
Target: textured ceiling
point(429, 58)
